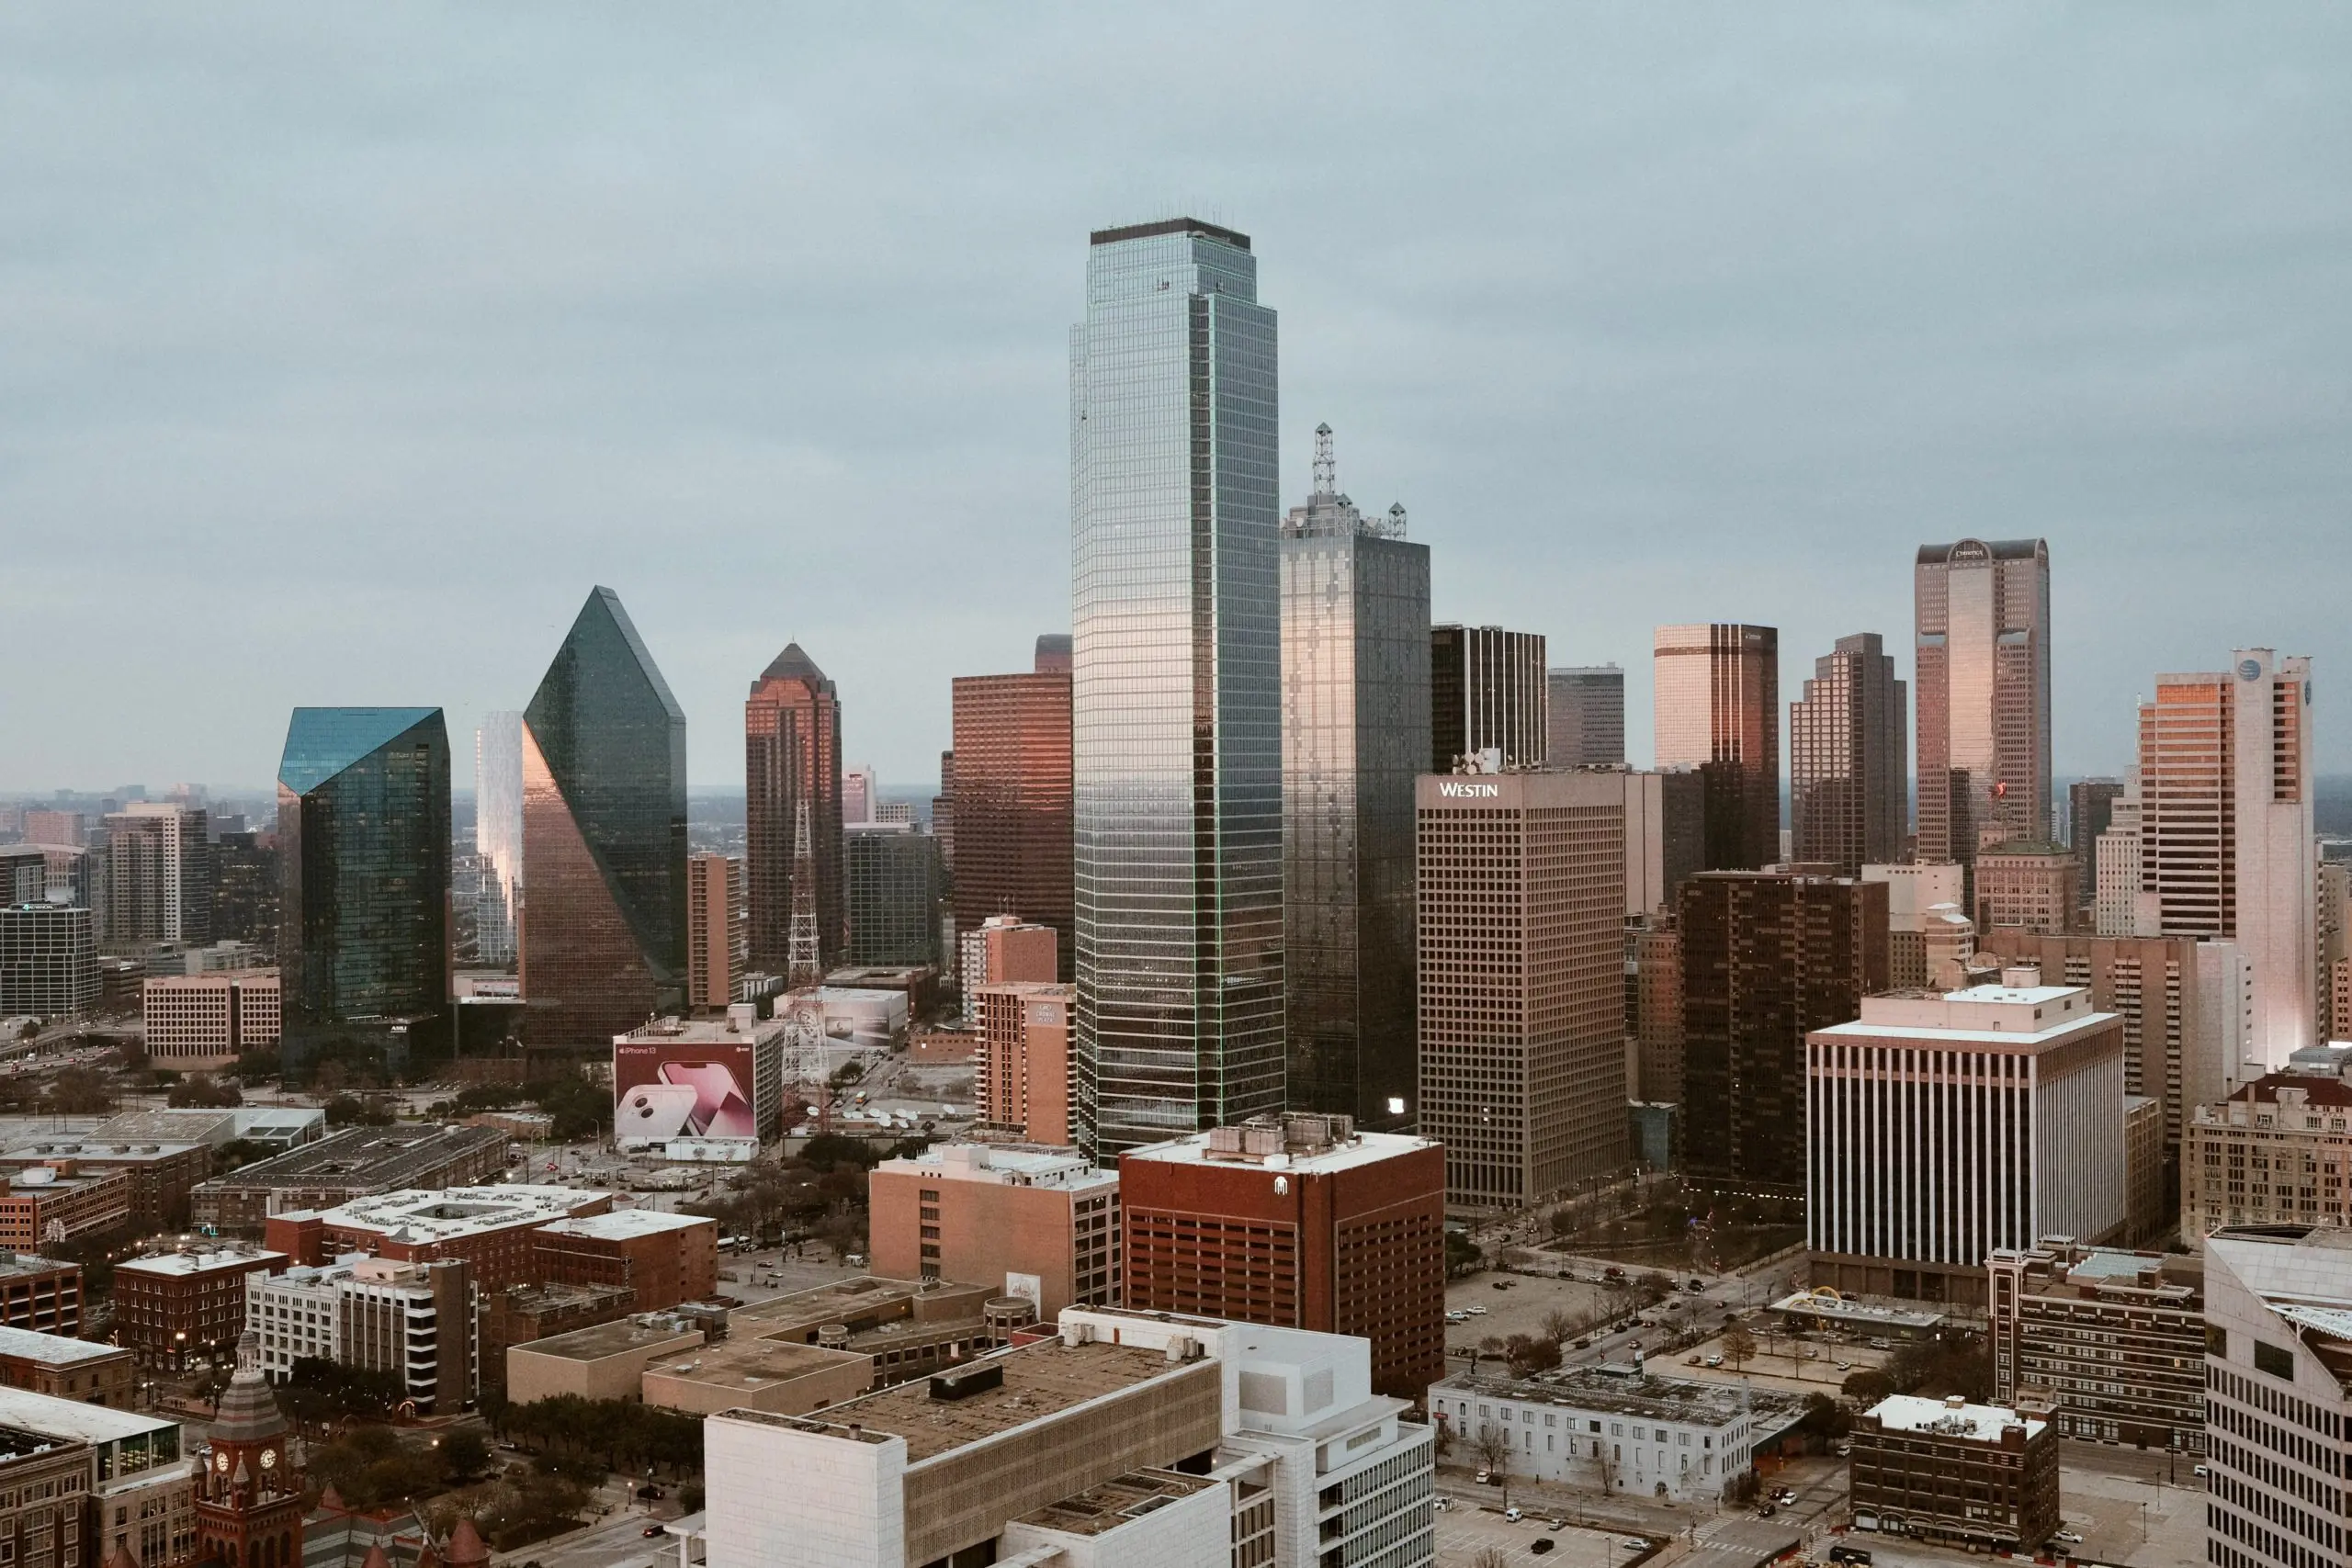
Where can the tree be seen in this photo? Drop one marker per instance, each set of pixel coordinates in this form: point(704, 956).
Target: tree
point(1739, 1347)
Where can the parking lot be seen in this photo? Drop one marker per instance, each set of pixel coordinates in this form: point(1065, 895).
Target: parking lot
point(1461, 1532)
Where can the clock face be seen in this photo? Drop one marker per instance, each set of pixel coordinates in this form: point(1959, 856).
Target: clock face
point(269, 1459)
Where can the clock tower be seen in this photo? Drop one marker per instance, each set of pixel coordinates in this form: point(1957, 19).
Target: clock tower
point(248, 1498)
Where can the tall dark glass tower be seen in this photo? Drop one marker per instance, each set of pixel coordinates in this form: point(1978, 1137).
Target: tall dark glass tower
point(363, 837)
point(1176, 702)
point(603, 926)
point(1355, 736)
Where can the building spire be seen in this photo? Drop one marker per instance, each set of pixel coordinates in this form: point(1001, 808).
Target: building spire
point(1327, 468)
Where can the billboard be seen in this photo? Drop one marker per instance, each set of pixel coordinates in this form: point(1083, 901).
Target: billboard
point(674, 1088)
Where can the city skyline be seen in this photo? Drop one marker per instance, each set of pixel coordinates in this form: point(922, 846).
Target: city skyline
point(1750, 404)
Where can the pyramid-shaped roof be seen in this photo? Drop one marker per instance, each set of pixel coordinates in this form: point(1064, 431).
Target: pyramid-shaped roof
point(323, 742)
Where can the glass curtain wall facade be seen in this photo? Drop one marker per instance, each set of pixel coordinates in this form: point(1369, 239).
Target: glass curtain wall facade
point(363, 836)
point(1176, 698)
point(1848, 791)
point(498, 833)
point(1983, 663)
point(1488, 691)
point(1718, 710)
point(603, 938)
point(1355, 736)
point(792, 751)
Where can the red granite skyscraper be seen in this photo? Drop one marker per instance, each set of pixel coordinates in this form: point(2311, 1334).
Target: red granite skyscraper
point(1011, 797)
point(792, 751)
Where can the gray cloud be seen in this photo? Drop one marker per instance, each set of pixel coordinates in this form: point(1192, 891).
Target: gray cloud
point(342, 352)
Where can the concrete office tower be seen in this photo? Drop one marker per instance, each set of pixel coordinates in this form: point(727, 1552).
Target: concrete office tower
point(1767, 957)
point(1176, 710)
point(363, 831)
point(792, 753)
point(1982, 660)
point(498, 833)
point(1718, 710)
point(1585, 721)
point(1355, 736)
point(159, 877)
point(2225, 830)
point(2277, 1398)
point(1912, 890)
point(1522, 979)
point(891, 883)
point(1012, 797)
point(1487, 692)
point(1848, 776)
point(1946, 1127)
point(604, 939)
point(714, 932)
point(861, 795)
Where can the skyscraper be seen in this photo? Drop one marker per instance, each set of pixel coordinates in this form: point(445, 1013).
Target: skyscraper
point(498, 833)
point(1982, 661)
point(1848, 787)
point(1584, 725)
point(603, 938)
point(1355, 736)
point(1487, 692)
point(792, 751)
point(158, 876)
point(1011, 799)
point(1177, 687)
point(363, 836)
point(2225, 830)
point(1718, 709)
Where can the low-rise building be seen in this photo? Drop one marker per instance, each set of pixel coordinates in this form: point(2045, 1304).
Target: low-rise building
point(1613, 1430)
point(493, 1228)
point(415, 1320)
point(66, 1369)
point(661, 1259)
point(2111, 1343)
point(1975, 1476)
point(162, 1174)
point(195, 1022)
point(2274, 1153)
point(356, 1162)
point(44, 1204)
point(1034, 1221)
point(191, 1301)
point(39, 1293)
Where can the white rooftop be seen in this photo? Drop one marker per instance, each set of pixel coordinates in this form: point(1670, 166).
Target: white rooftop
point(179, 1265)
point(53, 1347)
point(620, 1224)
point(1911, 1413)
point(444, 1213)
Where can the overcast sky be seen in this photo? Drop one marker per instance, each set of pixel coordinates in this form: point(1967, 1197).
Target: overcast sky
point(342, 349)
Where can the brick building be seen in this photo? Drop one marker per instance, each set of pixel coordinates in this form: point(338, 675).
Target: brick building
point(64, 1368)
point(1302, 1222)
point(39, 1293)
point(1973, 1476)
point(57, 1202)
point(1031, 1221)
point(493, 1228)
point(357, 1162)
point(190, 1303)
point(662, 1259)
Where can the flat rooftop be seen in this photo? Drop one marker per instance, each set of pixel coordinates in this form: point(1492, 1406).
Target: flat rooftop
point(53, 1348)
point(1654, 1398)
point(1040, 1380)
point(179, 1265)
point(601, 1340)
point(1120, 1500)
point(1980, 1423)
point(377, 1156)
point(426, 1215)
point(624, 1225)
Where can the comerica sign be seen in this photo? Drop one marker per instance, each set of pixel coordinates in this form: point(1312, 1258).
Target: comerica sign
point(1453, 790)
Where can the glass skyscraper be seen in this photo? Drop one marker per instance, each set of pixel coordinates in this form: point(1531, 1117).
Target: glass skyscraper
point(363, 837)
point(498, 833)
point(604, 930)
point(1355, 734)
point(1176, 706)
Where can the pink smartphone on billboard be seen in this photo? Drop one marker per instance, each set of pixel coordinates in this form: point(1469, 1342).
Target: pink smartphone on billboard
point(721, 1110)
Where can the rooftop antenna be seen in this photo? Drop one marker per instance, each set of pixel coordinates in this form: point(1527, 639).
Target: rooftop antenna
point(1327, 468)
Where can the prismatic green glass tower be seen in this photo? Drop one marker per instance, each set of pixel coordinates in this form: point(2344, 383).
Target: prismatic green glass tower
point(604, 909)
point(363, 830)
point(1176, 695)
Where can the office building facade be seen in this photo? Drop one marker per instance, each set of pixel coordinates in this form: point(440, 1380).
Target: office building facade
point(792, 756)
point(1717, 696)
point(1981, 660)
point(363, 831)
point(1584, 720)
point(1521, 982)
point(1850, 780)
point(1356, 634)
point(1010, 798)
point(603, 941)
point(1176, 706)
point(498, 833)
point(1487, 692)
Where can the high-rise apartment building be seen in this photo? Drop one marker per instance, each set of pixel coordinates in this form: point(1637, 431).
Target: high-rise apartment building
point(1303, 1222)
point(1718, 710)
point(48, 961)
point(792, 757)
point(159, 877)
point(1521, 975)
point(1487, 692)
point(714, 932)
point(1011, 797)
point(1982, 655)
point(1355, 736)
point(890, 886)
point(2225, 829)
point(1767, 958)
point(1585, 718)
point(1849, 781)
point(363, 833)
point(1945, 1126)
point(498, 833)
point(604, 939)
point(1176, 707)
